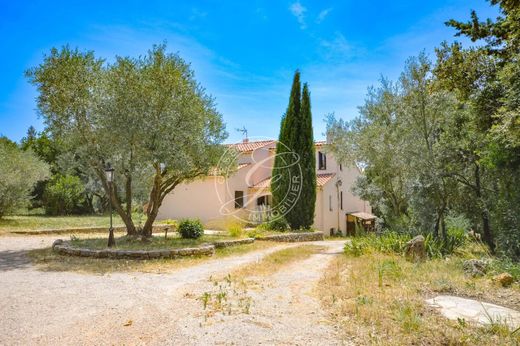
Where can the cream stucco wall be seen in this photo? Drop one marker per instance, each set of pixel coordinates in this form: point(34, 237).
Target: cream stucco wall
point(212, 198)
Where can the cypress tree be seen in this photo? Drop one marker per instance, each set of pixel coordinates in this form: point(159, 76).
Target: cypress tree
point(296, 137)
point(281, 175)
point(302, 215)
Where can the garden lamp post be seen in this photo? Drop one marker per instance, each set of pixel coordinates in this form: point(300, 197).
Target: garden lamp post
point(109, 172)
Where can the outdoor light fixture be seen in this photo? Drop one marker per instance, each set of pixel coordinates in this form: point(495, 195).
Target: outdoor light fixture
point(109, 173)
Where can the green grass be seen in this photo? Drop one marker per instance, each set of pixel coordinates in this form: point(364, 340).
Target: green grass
point(156, 242)
point(29, 223)
point(47, 260)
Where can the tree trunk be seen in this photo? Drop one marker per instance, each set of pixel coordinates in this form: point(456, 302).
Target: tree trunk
point(486, 227)
point(111, 191)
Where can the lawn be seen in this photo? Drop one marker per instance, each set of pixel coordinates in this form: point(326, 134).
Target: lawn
point(29, 223)
point(378, 299)
point(156, 242)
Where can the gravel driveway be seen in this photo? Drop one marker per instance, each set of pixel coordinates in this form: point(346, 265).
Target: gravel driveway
point(68, 308)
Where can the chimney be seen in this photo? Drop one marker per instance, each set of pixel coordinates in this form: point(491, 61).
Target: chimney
point(245, 140)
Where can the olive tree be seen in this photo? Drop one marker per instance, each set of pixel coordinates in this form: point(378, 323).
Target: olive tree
point(147, 116)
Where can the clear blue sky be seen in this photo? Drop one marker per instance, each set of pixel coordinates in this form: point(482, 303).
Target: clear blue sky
point(243, 52)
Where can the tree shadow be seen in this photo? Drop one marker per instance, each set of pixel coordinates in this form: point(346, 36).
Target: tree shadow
point(11, 260)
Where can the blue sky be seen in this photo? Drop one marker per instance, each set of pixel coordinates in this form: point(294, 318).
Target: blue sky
point(243, 52)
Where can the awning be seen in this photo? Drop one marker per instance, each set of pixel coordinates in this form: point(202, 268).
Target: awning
point(363, 216)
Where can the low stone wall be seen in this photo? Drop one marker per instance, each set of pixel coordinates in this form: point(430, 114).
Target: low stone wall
point(64, 248)
point(155, 229)
point(293, 237)
point(227, 243)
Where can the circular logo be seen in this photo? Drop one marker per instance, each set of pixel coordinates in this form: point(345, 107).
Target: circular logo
point(245, 180)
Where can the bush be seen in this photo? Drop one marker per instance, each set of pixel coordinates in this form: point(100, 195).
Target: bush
point(278, 224)
point(394, 243)
point(19, 173)
point(191, 229)
point(64, 195)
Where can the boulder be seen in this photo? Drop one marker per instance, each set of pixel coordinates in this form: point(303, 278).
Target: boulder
point(475, 267)
point(415, 250)
point(504, 279)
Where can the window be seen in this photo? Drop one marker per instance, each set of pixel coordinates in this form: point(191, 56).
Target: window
point(330, 202)
point(239, 199)
point(341, 199)
point(322, 161)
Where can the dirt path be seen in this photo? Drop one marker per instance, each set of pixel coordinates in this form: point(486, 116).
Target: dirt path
point(69, 308)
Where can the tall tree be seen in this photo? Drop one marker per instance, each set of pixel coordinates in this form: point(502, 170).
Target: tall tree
point(294, 172)
point(302, 214)
point(281, 175)
point(147, 116)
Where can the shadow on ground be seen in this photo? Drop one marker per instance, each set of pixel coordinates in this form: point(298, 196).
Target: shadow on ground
point(10, 260)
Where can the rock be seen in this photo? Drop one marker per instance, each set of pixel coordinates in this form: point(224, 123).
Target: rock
point(57, 242)
point(475, 267)
point(415, 249)
point(456, 308)
point(504, 279)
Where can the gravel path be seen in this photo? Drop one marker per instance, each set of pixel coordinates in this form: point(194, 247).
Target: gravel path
point(68, 308)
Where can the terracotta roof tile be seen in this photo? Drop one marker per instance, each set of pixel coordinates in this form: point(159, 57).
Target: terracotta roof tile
point(250, 146)
point(321, 180)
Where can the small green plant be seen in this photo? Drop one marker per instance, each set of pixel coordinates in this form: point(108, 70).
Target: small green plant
point(278, 224)
point(205, 298)
point(191, 229)
point(236, 231)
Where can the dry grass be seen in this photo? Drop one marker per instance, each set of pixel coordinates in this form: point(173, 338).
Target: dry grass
point(379, 299)
point(46, 260)
point(231, 293)
point(40, 222)
point(275, 261)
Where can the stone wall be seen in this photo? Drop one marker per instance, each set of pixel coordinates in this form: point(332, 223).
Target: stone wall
point(226, 243)
point(293, 237)
point(64, 248)
point(156, 229)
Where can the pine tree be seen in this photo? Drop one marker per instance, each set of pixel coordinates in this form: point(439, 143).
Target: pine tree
point(295, 143)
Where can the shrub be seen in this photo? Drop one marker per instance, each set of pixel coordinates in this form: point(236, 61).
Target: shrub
point(278, 224)
point(394, 243)
point(19, 173)
point(64, 195)
point(191, 229)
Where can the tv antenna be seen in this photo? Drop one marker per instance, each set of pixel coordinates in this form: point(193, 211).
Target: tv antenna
point(243, 130)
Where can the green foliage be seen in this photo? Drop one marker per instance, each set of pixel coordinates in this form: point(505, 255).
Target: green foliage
point(394, 243)
point(506, 265)
point(19, 172)
point(125, 113)
point(64, 195)
point(190, 229)
point(278, 224)
point(295, 159)
point(236, 230)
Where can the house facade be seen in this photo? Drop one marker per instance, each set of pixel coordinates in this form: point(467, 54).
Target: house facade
point(245, 193)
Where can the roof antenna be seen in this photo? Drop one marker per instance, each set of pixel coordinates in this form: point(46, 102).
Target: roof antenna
point(244, 133)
